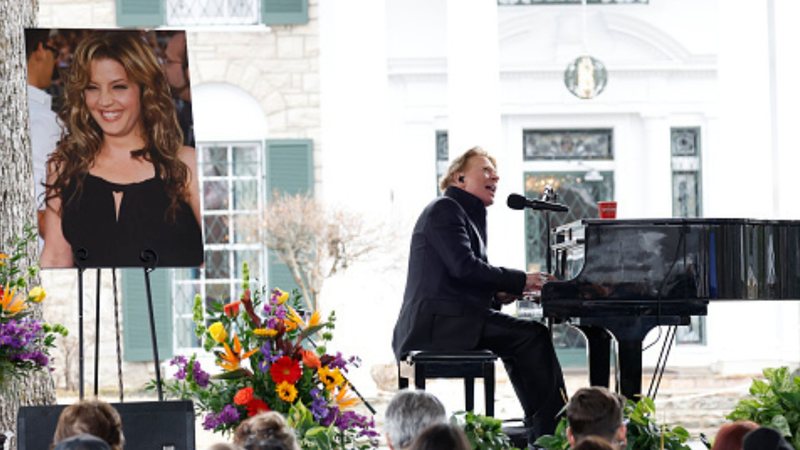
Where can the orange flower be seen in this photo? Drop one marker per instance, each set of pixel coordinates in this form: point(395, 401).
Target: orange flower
point(244, 396)
point(232, 309)
point(310, 359)
point(343, 401)
point(232, 358)
point(9, 303)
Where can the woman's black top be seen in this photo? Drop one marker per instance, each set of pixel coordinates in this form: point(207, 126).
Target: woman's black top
point(90, 224)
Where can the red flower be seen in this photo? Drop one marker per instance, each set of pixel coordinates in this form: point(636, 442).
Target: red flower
point(244, 396)
point(256, 406)
point(285, 369)
point(232, 309)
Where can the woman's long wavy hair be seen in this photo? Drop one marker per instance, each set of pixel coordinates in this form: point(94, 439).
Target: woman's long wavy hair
point(81, 140)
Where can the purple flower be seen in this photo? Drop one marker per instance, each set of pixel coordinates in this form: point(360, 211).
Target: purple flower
point(201, 377)
point(351, 419)
point(229, 414)
point(320, 409)
point(210, 421)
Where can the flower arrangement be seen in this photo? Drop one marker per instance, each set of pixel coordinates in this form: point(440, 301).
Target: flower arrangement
point(25, 340)
point(264, 348)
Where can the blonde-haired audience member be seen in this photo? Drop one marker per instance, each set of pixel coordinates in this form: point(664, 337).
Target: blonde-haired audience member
point(265, 431)
point(94, 417)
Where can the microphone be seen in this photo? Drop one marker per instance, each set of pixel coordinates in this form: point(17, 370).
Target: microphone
point(516, 201)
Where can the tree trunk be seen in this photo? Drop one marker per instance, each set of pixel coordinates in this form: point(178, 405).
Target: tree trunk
point(16, 186)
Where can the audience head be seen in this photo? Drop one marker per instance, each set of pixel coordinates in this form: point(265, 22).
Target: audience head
point(408, 414)
point(265, 431)
point(40, 56)
point(595, 411)
point(83, 442)
point(593, 443)
point(94, 417)
point(731, 435)
point(224, 446)
point(764, 438)
point(442, 436)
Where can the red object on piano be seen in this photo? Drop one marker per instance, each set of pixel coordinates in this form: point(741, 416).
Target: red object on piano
point(607, 210)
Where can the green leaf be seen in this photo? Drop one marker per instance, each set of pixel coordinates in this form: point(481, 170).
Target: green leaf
point(233, 374)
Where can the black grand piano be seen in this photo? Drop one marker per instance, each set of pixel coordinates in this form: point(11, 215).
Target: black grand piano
point(621, 278)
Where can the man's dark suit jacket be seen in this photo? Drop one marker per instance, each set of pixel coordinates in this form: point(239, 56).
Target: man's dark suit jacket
point(450, 284)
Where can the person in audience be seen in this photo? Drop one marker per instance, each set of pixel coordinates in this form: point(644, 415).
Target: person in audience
point(731, 435)
point(265, 431)
point(83, 442)
point(441, 436)
point(593, 443)
point(408, 414)
point(226, 446)
point(764, 438)
point(596, 411)
point(94, 417)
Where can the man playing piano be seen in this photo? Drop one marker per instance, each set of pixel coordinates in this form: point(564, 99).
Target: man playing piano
point(453, 295)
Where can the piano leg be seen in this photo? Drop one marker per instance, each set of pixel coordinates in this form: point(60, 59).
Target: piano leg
point(598, 347)
point(630, 368)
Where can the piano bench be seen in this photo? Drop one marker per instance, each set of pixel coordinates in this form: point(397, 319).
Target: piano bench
point(468, 364)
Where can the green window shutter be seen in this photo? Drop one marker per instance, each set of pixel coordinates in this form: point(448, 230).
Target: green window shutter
point(284, 12)
point(135, 318)
point(140, 13)
point(290, 170)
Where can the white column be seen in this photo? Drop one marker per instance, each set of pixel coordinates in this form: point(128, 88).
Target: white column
point(657, 166)
point(473, 76)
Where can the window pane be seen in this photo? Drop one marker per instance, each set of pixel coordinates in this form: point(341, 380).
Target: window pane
point(245, 161)
point(246, 228)
point(217, 293)
point(574, 190)
point(685, 194)
point(567, 144)
point(184, 298)
point(216, 228)
point(253, 260)
point(215, 161)
point(218, 264)
point(685, 141)
point(245, 195)
point(215, 195)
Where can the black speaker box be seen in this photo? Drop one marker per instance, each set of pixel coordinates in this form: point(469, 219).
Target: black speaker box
point(146, 425)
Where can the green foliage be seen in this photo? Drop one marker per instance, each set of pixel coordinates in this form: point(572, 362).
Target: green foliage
point(483, 432)
point(643, 431)
point(773, 402)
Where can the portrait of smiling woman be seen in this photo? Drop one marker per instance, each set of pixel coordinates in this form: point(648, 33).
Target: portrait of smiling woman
point(121, 185)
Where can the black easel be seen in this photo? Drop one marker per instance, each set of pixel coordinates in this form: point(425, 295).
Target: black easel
point(150, 260)
point(80, 256)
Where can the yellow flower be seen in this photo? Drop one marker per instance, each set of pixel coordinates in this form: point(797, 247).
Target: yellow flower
point(232, 358)
point(287, 392)
point(37, 294)
point(3, 257)
point(343, 401)
point(10, 303)
point(298, 321)
point(289, 324)
point(331, 378)
point(268, 332)
point(280, 296)
point(217, 332)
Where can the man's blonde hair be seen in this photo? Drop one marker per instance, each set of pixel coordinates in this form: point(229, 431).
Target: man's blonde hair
point(460, 164)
